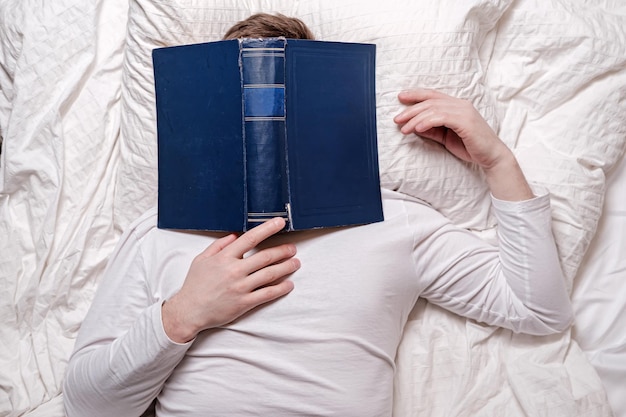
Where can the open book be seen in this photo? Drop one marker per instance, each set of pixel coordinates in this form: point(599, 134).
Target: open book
point(255, 128)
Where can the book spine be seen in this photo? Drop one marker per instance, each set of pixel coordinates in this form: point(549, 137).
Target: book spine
point(263, 83)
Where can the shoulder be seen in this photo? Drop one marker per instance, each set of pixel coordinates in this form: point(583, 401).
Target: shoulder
point(396, 204)
point(144, 224)
point(145, 233)
point(396, 197)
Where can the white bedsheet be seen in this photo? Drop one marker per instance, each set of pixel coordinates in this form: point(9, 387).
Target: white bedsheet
point(60, 75)
point(78, 161)
point(599, 297)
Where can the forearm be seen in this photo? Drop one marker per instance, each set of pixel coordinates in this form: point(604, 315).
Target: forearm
point(122, 378)
point(530, 262)
point(517, 285)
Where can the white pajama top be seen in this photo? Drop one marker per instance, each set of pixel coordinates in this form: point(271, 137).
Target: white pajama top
point(328, 347)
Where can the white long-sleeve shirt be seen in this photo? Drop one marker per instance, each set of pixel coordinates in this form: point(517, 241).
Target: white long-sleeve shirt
point(328, 347)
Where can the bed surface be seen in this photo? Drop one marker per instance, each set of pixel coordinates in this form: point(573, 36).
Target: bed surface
point(600, 291)
point(78, 164)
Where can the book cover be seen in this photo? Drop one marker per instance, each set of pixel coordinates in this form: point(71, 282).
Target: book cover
point(251, 129)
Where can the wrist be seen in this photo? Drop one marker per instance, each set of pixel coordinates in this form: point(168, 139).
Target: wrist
point(506, 180)
point(174, 325)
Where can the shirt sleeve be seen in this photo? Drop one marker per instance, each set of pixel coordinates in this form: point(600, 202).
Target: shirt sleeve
point(518, 285)
point(122, 355)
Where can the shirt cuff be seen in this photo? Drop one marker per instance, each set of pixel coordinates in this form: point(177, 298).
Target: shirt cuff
point(539, 202)
point(159, 330)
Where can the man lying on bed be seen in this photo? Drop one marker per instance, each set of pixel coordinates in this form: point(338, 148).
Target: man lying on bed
point(253, 330)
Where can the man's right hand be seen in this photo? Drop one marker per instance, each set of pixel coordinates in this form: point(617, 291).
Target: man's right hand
point(222, 284)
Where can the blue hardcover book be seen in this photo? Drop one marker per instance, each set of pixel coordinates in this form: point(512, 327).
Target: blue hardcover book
point(256, 128)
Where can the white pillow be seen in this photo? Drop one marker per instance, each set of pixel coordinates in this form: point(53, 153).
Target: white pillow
point(420, 43)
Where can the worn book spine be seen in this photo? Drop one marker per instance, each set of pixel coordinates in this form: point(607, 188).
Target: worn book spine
point(263, 83)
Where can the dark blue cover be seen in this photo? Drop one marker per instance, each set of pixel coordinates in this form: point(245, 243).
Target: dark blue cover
point(255, 128)
point(200, 137)
point(331, 131)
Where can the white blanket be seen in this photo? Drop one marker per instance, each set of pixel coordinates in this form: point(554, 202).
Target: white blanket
point(78, 163)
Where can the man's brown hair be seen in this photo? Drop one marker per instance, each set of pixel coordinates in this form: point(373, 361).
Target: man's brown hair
point(264, 25)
